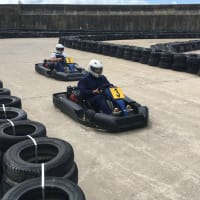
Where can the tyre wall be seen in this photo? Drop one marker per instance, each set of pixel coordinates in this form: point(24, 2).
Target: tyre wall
point(151, 18)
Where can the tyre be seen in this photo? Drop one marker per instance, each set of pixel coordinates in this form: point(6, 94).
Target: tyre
point(145, 55)
point(193, 64)
point(12, 113)
point(166, 60)
point(154, 58)
point(10, 101)
point(4, 91)
point(1, 84)
point(128, 53)
point(10, 135)
point(179, 62)
point(120, 51)
point(99, 48)
point(137, 53)
point(20, 163)
point(198, 73)
point(7, 183)
point(106, 49)
point(55, 188)
point(1, 155)
point(113, 49)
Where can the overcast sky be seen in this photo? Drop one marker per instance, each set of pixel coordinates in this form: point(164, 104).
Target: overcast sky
point(129, 2)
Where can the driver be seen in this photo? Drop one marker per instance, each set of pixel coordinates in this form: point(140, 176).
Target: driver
point(58, 58)
point(90, 84)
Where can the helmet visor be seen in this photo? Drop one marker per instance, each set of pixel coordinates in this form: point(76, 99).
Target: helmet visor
point(60, 49)
point(97, 70)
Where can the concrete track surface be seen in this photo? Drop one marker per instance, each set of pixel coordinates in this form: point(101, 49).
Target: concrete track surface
point(160, 162)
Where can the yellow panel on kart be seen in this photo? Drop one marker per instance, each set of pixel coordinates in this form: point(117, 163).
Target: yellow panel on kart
point(117, 93)
point(69, 60)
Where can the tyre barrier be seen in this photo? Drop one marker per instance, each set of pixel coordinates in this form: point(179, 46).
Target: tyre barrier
point(4, 91)
point(120, 51)
point(55, 188)
point(16, 130)
point(193, 63)
point(106, 49)
point(93, 46)
point(161, 55)
point(12, 114)
point(113, 49)
point(1, 84)
point(154, 58)
point(137, 53)
point(99, 47)
point(145, 55)
point(178, 47)
point(82, 45)
point(1, 172)
point(74, 43)
point(7, 183)
point(0, 167)
point(179, 63)
point(128, 53)
point(87, 45)
point(11, 134)
point(10, 101)
point(166, 60)
point(20, 162)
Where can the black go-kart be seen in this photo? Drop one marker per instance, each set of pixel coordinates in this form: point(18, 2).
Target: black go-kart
point(47, 69)
point(80, 110)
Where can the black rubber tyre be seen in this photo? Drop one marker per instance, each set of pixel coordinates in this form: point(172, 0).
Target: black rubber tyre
point(113, 49)
point(7, 183)
point(145, 55)
point(128, 53)
point(179, 62)
point(193, 64)
point(4, 91)
point(1, 155)
point(19, 162)
point(10, 101)
point(106, 49)
point(55, 189)
point(120, 51)
point(12, 113)
point(198, 73)
point(166, 60)
point(154, 58)
point(1, 84)
point(137, 53)
point(10, 135)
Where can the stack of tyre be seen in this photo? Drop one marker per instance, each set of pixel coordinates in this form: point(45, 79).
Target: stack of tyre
point(32, 165)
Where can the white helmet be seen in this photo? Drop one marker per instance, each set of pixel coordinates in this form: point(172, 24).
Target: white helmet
point(59, 48)
point(95, 68)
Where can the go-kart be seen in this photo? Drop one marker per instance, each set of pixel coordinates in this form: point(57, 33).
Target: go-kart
point(73, 71)
point(80, 110)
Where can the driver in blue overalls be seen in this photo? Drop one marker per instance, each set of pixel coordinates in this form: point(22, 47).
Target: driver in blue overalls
point(90, 84)
point(90, 88)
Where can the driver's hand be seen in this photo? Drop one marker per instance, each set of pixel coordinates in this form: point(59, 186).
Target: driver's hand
point(96, 91)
